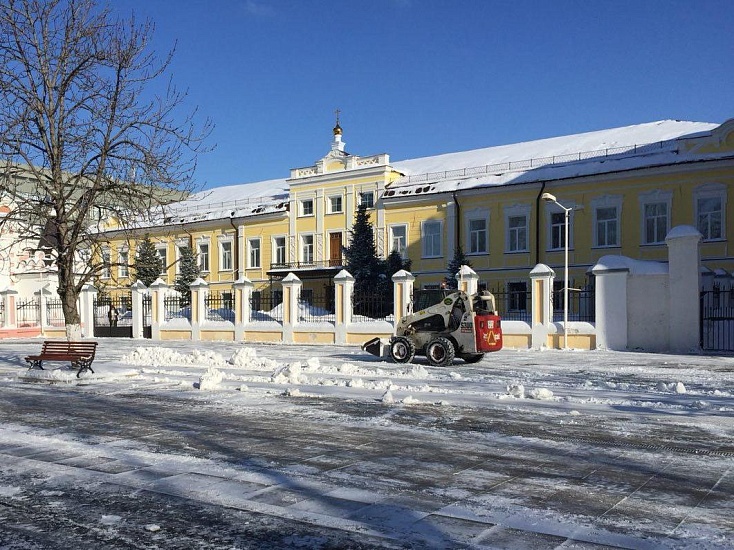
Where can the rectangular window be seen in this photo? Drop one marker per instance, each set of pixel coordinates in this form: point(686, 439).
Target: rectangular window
point(203, 257)
point(709, 214)
point(307, 249)
point(367, 199)
point(225, 261)
point(279, 251)
point(517, 296)
point(399, 239)
point(607, 225)
point(478, 236)
point(254, 256)
point(123, 257)
point(655, 222)
point(307, 207)
point(517, 233)
point(164, 260)
point(106, 274)
point(335, 204)
point(558, 230)
point(431, 239)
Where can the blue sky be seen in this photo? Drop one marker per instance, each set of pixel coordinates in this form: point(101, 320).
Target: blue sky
point(414, 78)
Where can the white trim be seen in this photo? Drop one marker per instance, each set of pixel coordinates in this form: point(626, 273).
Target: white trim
point(474, 215)
point(390, 228)
point(274, 249)
point(440, 239)
point(606, 201)
point(517, 211)
point(250, 249)
point(329, 204)
point(655, 197)
point(301, 248)
point(710, 191)
point(222, 242)
point(550, 209)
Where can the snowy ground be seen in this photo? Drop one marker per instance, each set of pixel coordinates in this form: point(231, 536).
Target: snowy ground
point(222, 445)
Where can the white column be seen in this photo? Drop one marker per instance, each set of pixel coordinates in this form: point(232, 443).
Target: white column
point(468, 280)
point(611, 303)
point(343, 289)
point(402, 294)
point(199, 289)
point(291, 292)
point(541, 288)
point(138, 291)
point(157, 314)
point(88, 295)
point(684, 268)
point(9, 298)
point(242, 301)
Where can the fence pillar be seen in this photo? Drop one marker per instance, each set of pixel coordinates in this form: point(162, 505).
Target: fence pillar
point(43, 294)
point(403, 295)
point(242, 304)
point(611, 276)
point(343, 290)
point(541, 292)
point(157, 311)
point(684, 269)
point(199, 290)
point(10, 298)
point(86, 312)
point(291, 293)
point(138, 291)
point(468, 280)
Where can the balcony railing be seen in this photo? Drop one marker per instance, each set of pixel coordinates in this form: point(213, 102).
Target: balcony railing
point(316, 264)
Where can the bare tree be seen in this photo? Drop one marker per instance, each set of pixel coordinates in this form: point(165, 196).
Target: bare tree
point(84, 137)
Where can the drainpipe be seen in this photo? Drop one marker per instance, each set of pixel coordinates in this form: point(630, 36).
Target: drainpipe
point(457, 243)
point(537, 223)
point(236, 251)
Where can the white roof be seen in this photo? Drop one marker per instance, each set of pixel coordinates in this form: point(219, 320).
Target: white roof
point(543, 159)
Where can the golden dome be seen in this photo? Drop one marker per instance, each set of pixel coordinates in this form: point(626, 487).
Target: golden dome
point(337, 130)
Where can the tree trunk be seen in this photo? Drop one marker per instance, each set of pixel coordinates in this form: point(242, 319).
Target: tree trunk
point(69, 298)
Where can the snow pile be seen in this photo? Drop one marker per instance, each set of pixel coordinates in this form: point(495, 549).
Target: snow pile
point(387, 398)
point(210, 379)
point(540, 393)
point(677, 387)
point(166, 356)
point(289, 374)
point(516, 390)
point(247, 358)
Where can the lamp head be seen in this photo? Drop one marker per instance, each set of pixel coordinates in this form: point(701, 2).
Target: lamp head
point(547, 197)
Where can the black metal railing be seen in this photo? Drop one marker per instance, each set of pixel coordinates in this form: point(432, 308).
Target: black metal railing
point(266, 306)
point(28, 313)
point(173, 308)
point(581, 305)
point(371, 306)
point(55, 313)
point(316, 308)
point(717, 320)
point(513, 305)
point(219, 307)
point(315, 264)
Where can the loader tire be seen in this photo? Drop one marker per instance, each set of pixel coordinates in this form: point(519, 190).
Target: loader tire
point(472, 357)
point(402, 350)
point(440, 352)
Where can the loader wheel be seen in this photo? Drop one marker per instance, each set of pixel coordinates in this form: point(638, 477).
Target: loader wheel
point(440, 352)
point(472, 357)
point(402, 350)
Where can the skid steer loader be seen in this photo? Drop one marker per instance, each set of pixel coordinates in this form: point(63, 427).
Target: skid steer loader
point(459, 325)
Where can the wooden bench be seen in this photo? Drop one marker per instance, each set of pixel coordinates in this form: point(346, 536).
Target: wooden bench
point(80, 354)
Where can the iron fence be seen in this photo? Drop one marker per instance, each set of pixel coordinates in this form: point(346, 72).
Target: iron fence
point(173, 308)
point(219, 307)
point(581, 305)
point(316, 308)
point(55, 313)
point(28, 313)
point(2, 313)
point(513, 305)
point(371, 306)
point(717, 320)
point(266, 306)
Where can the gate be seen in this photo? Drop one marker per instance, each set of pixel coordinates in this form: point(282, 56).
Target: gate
point(147, 330)
point(717, 320)
point(113, 317)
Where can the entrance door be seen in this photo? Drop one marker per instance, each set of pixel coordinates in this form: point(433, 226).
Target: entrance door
point(335, 249)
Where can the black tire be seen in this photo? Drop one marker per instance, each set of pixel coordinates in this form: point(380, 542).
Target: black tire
point(440, 352)
point(402, 350)
point(472, 357)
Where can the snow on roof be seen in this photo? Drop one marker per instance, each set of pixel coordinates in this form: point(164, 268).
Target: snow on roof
point(601, 140)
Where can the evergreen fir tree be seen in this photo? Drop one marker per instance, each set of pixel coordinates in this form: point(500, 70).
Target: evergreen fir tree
point(361, 255)
point(148, 264)
point(188, 272)
point(455, 264)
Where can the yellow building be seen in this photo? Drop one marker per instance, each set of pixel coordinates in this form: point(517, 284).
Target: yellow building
point(624, 188)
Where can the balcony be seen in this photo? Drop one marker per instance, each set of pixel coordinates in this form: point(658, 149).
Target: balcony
point(307, 270)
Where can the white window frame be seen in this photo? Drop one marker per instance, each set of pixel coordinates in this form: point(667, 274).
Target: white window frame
point(655, 198)
point(303, 248)
point(710, 191)
point(123, 269)
point(106, 263)
point(254, 253)
point(302, 210)
point(402, 247)
point(559, 229)
point(180, 245)
point(369, 203)
point(223, 255)
point(428, 247)
point(202, 259)
point(517, 211)
point(340, 209)
point(276, 249)
point(471, 217)
point(607, 201)
point(162, 251)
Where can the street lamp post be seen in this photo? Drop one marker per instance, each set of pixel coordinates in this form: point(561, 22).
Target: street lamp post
point(552, 198)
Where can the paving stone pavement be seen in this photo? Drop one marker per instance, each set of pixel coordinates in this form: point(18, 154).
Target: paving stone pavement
point(215, 478)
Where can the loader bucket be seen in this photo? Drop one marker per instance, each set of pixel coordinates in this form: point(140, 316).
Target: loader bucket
point(373, 346)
